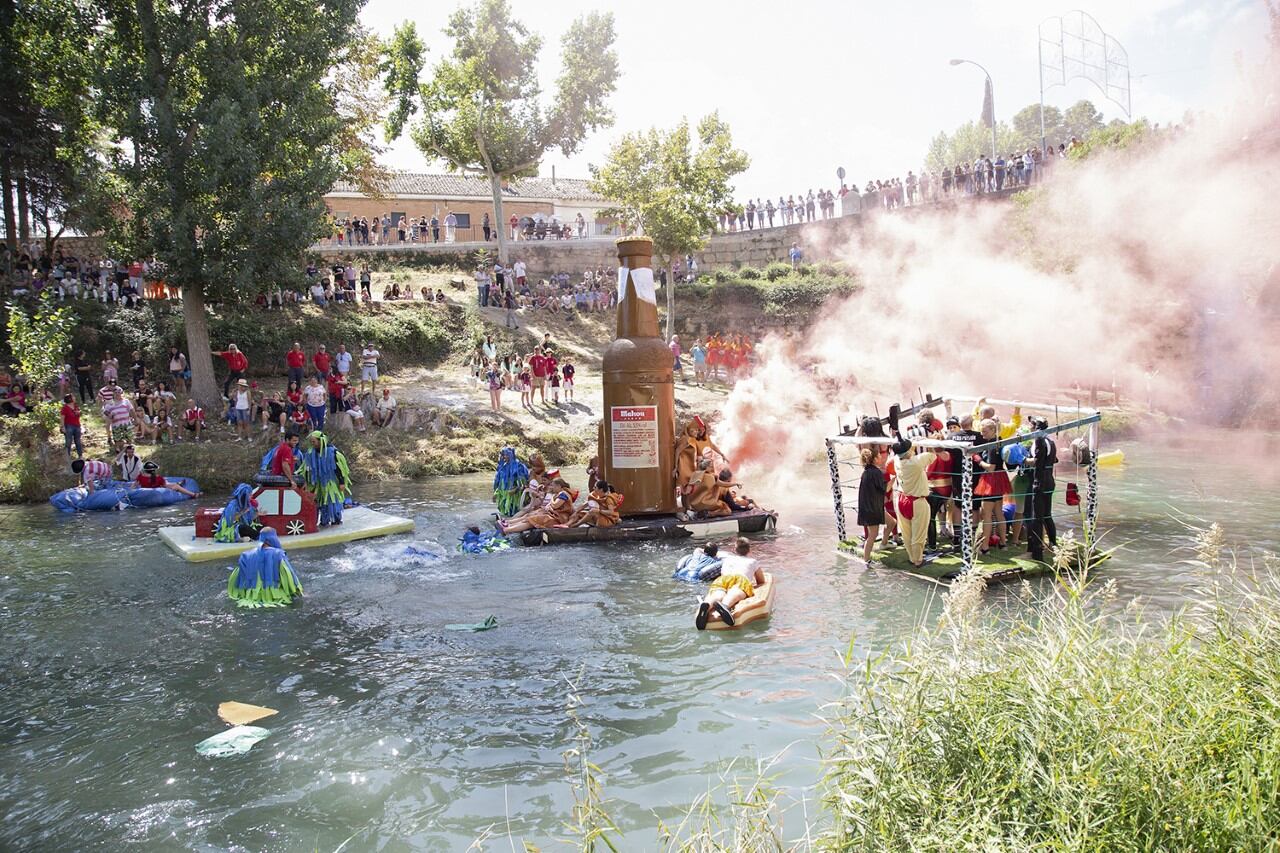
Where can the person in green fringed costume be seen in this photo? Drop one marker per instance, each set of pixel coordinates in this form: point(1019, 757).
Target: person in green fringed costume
point(509, 482)
point(264, 577)
point(324, 470)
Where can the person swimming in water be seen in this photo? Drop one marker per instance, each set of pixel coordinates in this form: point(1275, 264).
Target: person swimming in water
point(740, 574)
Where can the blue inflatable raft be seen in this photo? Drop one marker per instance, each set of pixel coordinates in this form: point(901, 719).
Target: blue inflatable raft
point(119, 494)
point(697, 567)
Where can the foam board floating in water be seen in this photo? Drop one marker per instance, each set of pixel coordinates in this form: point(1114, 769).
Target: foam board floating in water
point(236, 741)
point(358, 522)
point(758, 606)
point(240, 714)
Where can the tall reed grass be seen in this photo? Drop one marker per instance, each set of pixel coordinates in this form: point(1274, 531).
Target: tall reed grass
point(1080, 726)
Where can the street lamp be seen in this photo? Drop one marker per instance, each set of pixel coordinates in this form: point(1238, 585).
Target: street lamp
point(990, 87)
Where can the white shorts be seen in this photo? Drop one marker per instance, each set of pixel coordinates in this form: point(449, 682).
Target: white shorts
point(368, 373)
point(568, 383)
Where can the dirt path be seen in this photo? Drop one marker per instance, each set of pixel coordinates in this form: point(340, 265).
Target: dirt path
point(583, 336)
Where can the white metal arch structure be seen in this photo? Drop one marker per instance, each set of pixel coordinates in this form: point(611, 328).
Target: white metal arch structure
point(1075, 46)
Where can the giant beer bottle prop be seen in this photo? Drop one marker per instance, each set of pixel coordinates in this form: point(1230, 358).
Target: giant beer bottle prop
point(637, 434)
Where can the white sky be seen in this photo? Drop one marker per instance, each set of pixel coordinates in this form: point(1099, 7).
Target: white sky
point(808, 86)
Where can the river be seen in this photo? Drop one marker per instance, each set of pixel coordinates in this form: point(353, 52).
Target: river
point(399, 735)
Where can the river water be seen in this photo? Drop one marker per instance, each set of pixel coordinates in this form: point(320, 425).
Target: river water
point(399, 735)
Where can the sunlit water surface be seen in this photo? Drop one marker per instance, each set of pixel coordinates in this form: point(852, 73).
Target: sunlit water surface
point(399, 735)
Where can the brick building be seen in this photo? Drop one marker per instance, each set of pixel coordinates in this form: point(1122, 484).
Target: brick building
point(417, 194)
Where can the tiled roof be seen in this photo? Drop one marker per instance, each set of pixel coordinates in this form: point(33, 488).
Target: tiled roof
point(469, 186)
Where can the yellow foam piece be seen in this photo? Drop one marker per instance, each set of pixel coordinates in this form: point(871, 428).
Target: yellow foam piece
point(240, 714)
point(358, 522)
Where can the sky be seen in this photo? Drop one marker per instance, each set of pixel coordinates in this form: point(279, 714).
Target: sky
point(807, 87)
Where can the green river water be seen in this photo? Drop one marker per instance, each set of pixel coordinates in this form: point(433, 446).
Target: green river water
point(399, 735)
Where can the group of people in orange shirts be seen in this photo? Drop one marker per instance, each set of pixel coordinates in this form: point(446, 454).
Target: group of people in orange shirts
point(719, 357)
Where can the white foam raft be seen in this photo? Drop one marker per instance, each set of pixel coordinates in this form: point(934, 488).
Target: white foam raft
point(358, 522)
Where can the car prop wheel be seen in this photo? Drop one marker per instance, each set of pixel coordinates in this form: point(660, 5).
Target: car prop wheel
point(295, 528)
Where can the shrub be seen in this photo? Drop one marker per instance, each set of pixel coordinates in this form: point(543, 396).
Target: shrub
point(777, 270)
point(750, 274)
point(723, 275)
point(805, 270)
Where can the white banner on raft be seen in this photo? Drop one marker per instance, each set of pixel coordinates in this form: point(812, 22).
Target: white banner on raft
point(642, 279)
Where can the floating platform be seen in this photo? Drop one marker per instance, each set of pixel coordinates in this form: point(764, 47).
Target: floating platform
point(996, 566)
point(648, 528)
point(358, 522)
point(758, 606)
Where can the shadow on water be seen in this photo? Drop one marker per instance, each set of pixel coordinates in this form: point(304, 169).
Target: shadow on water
point(415, 737)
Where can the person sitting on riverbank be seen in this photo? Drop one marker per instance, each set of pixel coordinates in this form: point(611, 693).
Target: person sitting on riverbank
point(558, 510)
point(239, 521)
point(739, 576)
point(263, 576)
point(384, 411)
point(324, 470)
point(150, 478)
point(599, 510)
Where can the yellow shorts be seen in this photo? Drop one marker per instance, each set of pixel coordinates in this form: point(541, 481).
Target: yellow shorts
point(728, 582)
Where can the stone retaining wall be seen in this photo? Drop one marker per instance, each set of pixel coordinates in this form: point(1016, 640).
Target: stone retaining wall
point(819, 240)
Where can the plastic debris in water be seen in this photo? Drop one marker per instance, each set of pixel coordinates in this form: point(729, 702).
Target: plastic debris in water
point(240, 714)
point(491, 622)
point(234, 741)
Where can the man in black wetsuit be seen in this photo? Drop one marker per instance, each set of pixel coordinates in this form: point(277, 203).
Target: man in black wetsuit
point(1038, 510)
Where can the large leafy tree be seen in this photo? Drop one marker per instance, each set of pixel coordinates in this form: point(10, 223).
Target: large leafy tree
point(483, 111)
point(50, 160)
point(228, 134)
point(968, 142)
point(670, 184)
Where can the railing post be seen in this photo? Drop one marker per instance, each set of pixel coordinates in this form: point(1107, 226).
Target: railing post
point(837, 498)
point(966, 511)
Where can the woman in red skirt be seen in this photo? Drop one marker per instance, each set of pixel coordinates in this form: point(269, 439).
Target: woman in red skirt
point(993, 484)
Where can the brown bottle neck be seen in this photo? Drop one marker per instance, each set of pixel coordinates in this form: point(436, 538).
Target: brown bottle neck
point(636, 317)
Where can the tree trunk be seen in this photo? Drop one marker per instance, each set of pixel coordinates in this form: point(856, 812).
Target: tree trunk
point(671, 302)
point(24, 221)
point(495, 183)
point(204, 384)
point(10, 215)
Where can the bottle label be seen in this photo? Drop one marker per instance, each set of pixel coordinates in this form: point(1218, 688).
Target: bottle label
point(641, 280)
point(633, 432)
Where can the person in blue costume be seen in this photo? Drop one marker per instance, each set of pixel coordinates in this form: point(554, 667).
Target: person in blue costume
point(509, 482)
point(239, 522)
point(473, 541)
point(264, 577)
point(324, 470)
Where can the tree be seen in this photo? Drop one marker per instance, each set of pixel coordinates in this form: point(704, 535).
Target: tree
point(969, 141)
point(229, 135)
point(483, 112)
point(1080, 119)
point(40, 340)
point(668, 188)
point(49, 141)
point(1026, 126)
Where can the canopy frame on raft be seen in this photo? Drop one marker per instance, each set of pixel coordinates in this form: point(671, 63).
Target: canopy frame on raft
point(1083, 419)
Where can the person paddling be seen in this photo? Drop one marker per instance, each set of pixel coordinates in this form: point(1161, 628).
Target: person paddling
point(739, 577)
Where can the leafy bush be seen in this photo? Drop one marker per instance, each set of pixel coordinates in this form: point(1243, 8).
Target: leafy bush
point(750, 274)
point(777, 270)
point(804, 270)
point(723, 275)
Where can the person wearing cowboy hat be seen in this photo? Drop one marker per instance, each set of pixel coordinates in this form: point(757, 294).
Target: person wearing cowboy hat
point(242, 409)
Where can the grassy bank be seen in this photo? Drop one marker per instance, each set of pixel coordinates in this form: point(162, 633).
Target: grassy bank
point(754, 299)
point(445, 444)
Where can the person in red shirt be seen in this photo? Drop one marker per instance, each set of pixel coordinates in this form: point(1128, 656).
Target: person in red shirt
point(283, 460)
point(321, 362)
point(298, 421)
point(337, 383)
point(296, 360)
point(538, 365)
point(71, 425)
point(193, 419)
point(237, 364)
point(150, 479)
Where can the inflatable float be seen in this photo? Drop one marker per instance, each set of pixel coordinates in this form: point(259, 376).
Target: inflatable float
point(1111, 458)
point(120, 494)
point(358, 522)
point(758, 606)
point(648, 528)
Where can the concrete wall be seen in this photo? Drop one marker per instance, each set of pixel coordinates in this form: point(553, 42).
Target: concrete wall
point(819, 240)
